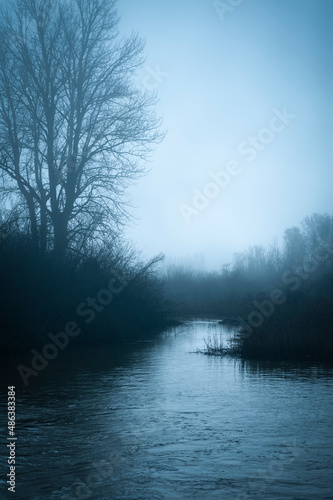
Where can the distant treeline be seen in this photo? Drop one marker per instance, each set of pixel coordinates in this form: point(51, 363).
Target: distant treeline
point(108, 295)
point(282, 296)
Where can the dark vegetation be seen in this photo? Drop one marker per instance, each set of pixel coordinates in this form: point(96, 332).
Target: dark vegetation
point(37, 296)
point(298, 323)
point(75, 132)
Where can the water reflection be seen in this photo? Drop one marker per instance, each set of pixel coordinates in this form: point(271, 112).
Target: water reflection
point(158, 421)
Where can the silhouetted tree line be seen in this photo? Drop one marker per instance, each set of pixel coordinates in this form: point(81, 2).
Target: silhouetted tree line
point(281, 295)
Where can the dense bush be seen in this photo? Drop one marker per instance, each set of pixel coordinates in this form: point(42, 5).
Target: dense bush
point(37, 296)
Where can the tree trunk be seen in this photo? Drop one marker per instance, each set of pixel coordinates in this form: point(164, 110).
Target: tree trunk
point(33, 222)
point(43, 227)
point(60, 223)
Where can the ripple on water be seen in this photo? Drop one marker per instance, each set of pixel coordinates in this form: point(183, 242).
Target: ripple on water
point(157, 421)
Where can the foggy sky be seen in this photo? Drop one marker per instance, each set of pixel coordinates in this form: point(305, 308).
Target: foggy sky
point(245, 96)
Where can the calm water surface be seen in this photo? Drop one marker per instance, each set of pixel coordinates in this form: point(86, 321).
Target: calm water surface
point(159, 421)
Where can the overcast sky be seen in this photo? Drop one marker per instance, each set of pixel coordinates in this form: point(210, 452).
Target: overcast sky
point(244, 92)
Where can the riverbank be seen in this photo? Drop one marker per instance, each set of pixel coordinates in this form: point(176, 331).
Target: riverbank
point(111, 296)
point(295, 332)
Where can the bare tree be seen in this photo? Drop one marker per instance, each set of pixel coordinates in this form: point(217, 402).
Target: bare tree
point(74, 129)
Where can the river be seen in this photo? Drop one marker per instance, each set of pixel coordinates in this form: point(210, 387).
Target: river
point(156, 420)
